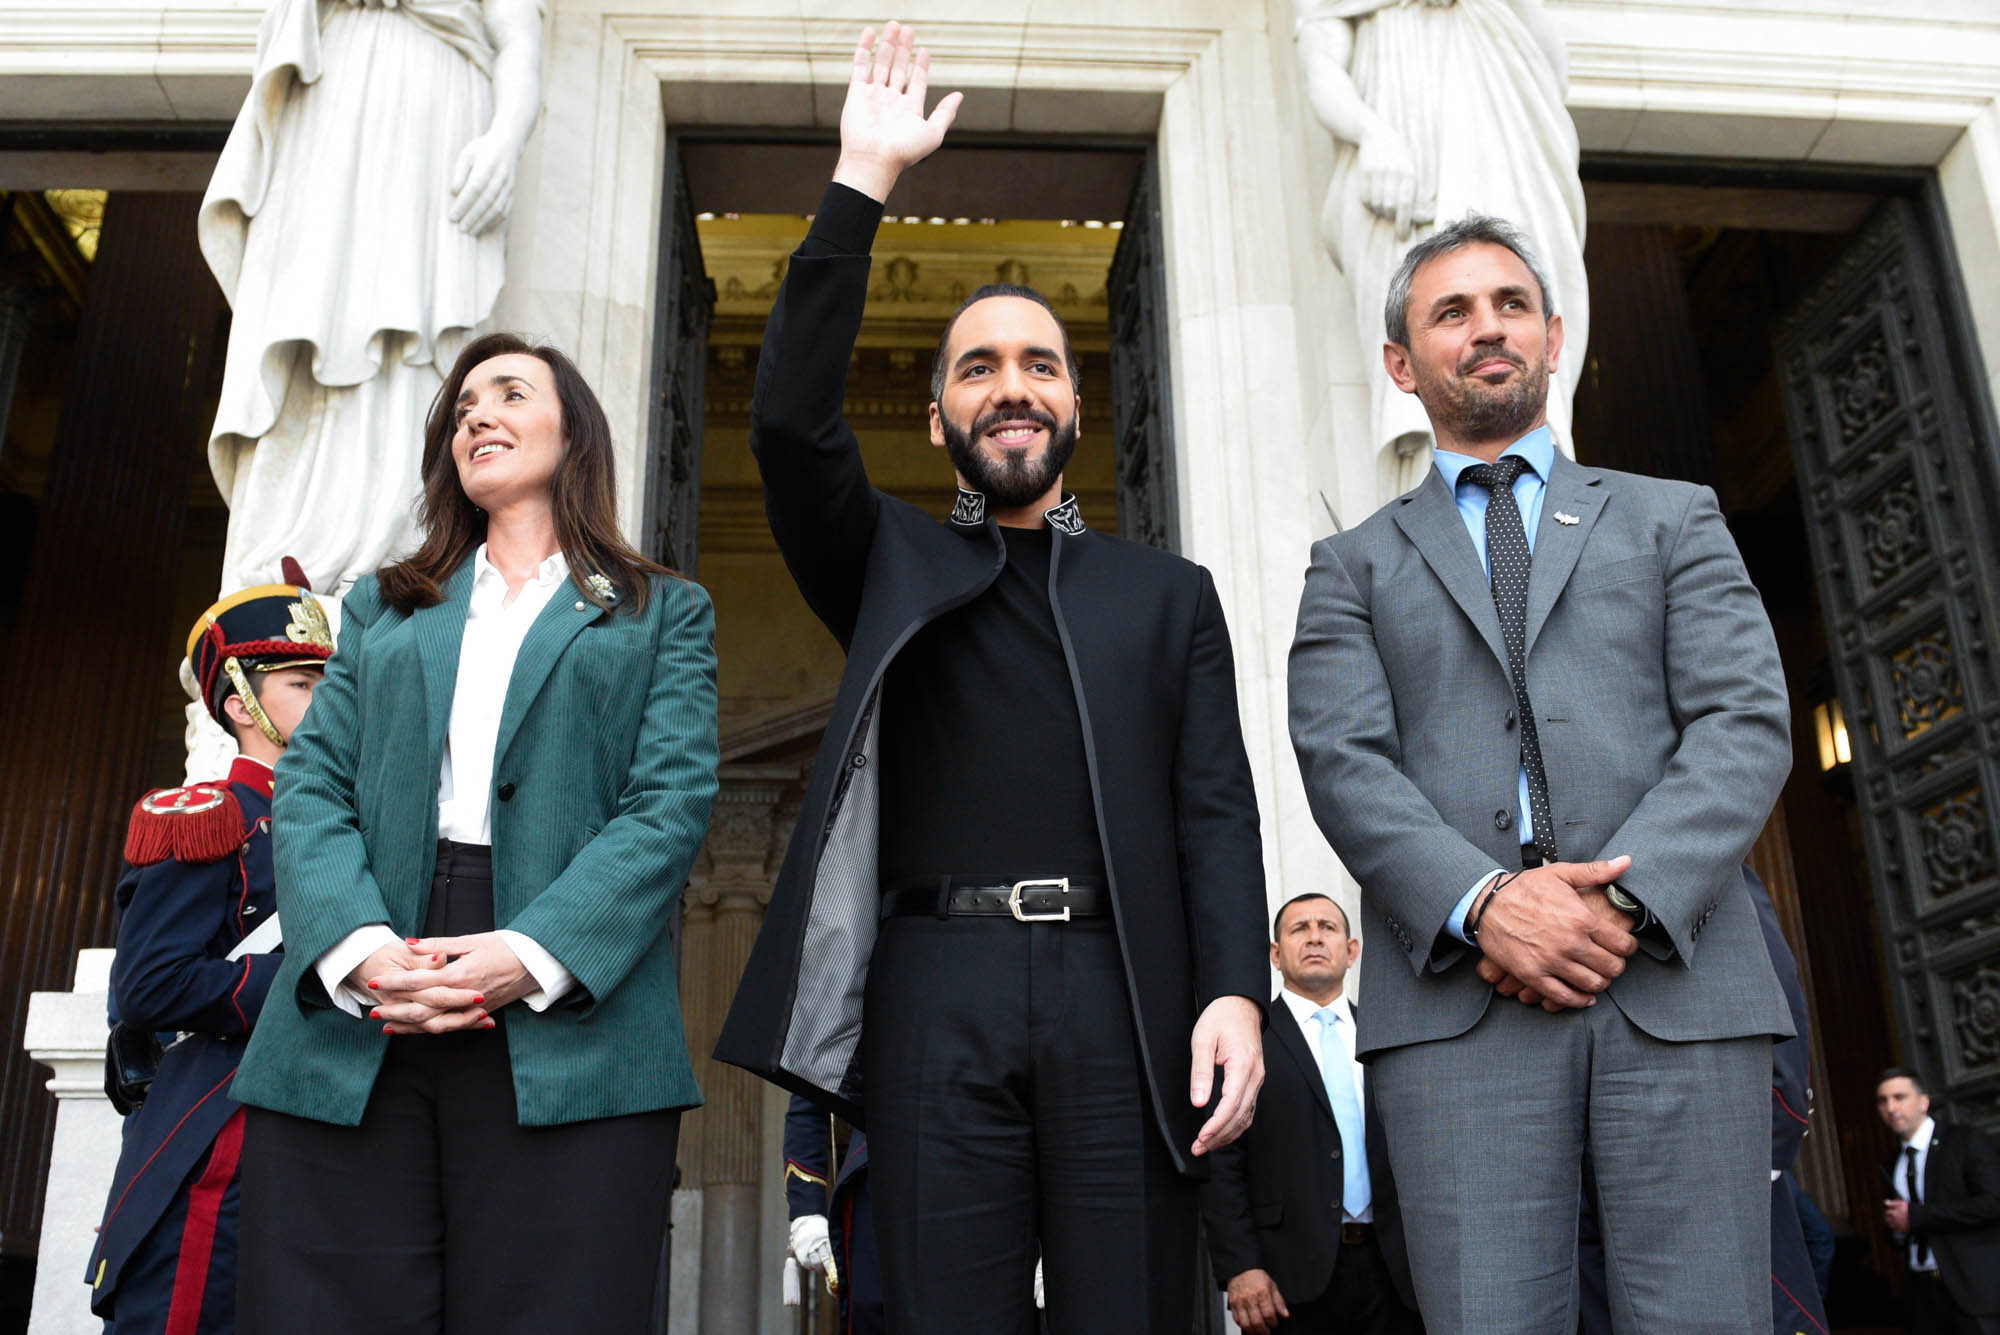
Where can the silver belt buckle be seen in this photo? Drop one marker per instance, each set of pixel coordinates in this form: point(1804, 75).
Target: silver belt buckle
point(1060, 884)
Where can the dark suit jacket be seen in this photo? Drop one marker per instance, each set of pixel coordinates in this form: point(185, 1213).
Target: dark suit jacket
point(1155, 688)
point(1960, 1214)
point(1272, 1201)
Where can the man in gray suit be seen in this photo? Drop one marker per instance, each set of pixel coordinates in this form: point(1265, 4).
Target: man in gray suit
point(1542, 734)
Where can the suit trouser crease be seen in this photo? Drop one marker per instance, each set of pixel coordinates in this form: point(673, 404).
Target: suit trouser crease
point(1488, 1134)
point(1007, 1104)
point(440, 1214)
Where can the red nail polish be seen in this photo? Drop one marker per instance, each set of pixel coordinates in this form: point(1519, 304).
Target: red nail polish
point(479, 1001)
point(436, 958)
point(372, 983)
point(374, 1015)
point(487, 1023)
point(411, 940)
point(387, 1029)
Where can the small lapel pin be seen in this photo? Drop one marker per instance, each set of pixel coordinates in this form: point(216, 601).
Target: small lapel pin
point(601, 586)
point(1562, 518)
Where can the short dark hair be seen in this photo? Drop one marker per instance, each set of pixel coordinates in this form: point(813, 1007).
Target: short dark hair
point(1002, 290)
point(1472, 230)
point(1901, 1073)
point(1278, 919)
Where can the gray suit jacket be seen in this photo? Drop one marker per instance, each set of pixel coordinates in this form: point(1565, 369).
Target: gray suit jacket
point(1664, 728)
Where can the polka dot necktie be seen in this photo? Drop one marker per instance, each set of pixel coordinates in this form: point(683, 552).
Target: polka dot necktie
point(1507, 555)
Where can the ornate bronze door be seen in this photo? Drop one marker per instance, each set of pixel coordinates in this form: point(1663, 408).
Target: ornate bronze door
point(1142, 396)
point(1896, 466)
point(682, 310)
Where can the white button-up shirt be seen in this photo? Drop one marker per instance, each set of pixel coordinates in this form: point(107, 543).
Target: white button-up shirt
point(495, 627)
point(1305, 1011)
point(1921, 1143)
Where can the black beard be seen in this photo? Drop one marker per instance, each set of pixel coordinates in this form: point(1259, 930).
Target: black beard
point(1507, 413)
point(1017, 478)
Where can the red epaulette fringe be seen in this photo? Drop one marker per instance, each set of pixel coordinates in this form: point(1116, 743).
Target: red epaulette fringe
point(202, 822)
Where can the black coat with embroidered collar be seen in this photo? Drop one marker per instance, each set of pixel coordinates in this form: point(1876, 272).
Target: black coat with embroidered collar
point(1149, 657)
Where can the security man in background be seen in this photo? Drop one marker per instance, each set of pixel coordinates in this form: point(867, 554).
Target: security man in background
point(197, 935)
point(1945, 1212)
point(833, 1222)
point(1301, 1212)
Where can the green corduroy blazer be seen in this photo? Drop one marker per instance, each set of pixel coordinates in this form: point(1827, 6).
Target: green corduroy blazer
point(608, 737)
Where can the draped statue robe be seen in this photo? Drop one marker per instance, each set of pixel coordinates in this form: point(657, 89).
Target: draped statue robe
point(1480, 106)
point(351, 289)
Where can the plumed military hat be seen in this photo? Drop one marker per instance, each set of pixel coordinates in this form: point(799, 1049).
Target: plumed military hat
point(260, 629)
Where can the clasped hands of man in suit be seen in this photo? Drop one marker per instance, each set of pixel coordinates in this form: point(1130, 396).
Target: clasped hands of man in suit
point(1550, 937)
point(442, 984)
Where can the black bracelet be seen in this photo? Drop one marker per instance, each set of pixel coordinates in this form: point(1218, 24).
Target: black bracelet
point(1478, 915)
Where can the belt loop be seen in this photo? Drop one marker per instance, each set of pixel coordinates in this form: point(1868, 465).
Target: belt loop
point(944, 898)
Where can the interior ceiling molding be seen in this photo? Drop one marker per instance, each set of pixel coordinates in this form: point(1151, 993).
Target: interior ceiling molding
point(922, 272)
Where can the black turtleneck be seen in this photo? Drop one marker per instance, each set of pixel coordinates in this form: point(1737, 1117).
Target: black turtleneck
point(983, 770)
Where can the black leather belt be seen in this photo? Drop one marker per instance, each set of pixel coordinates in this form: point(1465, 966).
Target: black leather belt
point(1044, 899)
point(1353, 1232)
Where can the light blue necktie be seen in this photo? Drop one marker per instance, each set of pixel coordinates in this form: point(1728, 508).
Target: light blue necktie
point(1336, 1069)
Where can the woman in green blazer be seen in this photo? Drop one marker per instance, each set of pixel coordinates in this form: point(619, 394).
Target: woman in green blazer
point(465, 1091)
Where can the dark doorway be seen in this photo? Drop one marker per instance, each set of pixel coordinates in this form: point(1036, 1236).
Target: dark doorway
point(1699, 274)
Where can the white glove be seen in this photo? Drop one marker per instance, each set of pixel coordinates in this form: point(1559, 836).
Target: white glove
point(812, 1246)
point(1038, 1285)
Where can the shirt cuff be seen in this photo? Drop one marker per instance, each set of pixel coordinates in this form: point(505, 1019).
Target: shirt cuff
point(342, 960)
point(552, 980)
point(845, 224)
point(1455, 924)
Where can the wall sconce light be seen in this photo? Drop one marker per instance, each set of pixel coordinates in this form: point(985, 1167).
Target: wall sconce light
point(1831, 725)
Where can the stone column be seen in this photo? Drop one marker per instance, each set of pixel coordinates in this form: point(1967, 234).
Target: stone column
point(65, 1032)
point(722, 1147)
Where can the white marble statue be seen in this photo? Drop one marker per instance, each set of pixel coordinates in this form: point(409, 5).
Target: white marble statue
point(1441, 108)
point(356, 223)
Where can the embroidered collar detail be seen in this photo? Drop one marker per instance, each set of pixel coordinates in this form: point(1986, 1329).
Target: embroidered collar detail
point(970, 509)
point(1068, 517)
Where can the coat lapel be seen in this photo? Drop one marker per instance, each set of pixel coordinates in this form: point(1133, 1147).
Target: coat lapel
point(439, 631)
point(555, 626)
point(1577, 495)
point(1429, 517)
point(1285, 1027)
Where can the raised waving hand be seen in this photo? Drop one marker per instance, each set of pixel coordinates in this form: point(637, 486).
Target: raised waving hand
point(883, 128)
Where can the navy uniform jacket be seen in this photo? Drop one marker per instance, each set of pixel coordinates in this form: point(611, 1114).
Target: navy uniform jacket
point(178, 921)
point(810, 1185)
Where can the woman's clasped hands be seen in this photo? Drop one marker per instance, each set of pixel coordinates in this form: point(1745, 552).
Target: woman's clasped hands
point(442, 984)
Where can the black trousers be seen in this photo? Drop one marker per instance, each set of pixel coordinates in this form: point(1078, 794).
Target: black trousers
point(1929, 1309)
point(1360, 1299)
point(440, 1214)
point(1008, 1116)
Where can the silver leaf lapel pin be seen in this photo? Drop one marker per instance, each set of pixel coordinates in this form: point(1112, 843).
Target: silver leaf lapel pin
point(1562, 518)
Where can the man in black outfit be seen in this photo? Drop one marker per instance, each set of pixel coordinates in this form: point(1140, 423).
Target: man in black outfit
point(1020, 922)
point(1945, 1212)
point(1301, 1212)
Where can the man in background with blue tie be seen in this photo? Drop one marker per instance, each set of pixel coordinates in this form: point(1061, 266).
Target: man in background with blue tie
point(1301, 1212)
point(1540, 715)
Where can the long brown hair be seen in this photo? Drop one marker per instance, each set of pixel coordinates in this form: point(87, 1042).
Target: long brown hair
point(583, 494)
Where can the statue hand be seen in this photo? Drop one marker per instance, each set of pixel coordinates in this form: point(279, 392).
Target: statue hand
point(1389, 187)
point(883, 129)
point(482, 183)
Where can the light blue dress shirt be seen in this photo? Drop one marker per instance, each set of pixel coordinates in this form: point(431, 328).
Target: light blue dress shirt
point(1538, 447)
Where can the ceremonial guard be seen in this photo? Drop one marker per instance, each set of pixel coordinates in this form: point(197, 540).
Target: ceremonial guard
point(833, 1221)
point(197, 935)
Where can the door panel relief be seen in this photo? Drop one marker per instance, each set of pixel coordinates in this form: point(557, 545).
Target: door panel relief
point(1895, 482)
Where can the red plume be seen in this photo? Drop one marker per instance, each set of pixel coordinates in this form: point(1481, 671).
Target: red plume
point(294, 573)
